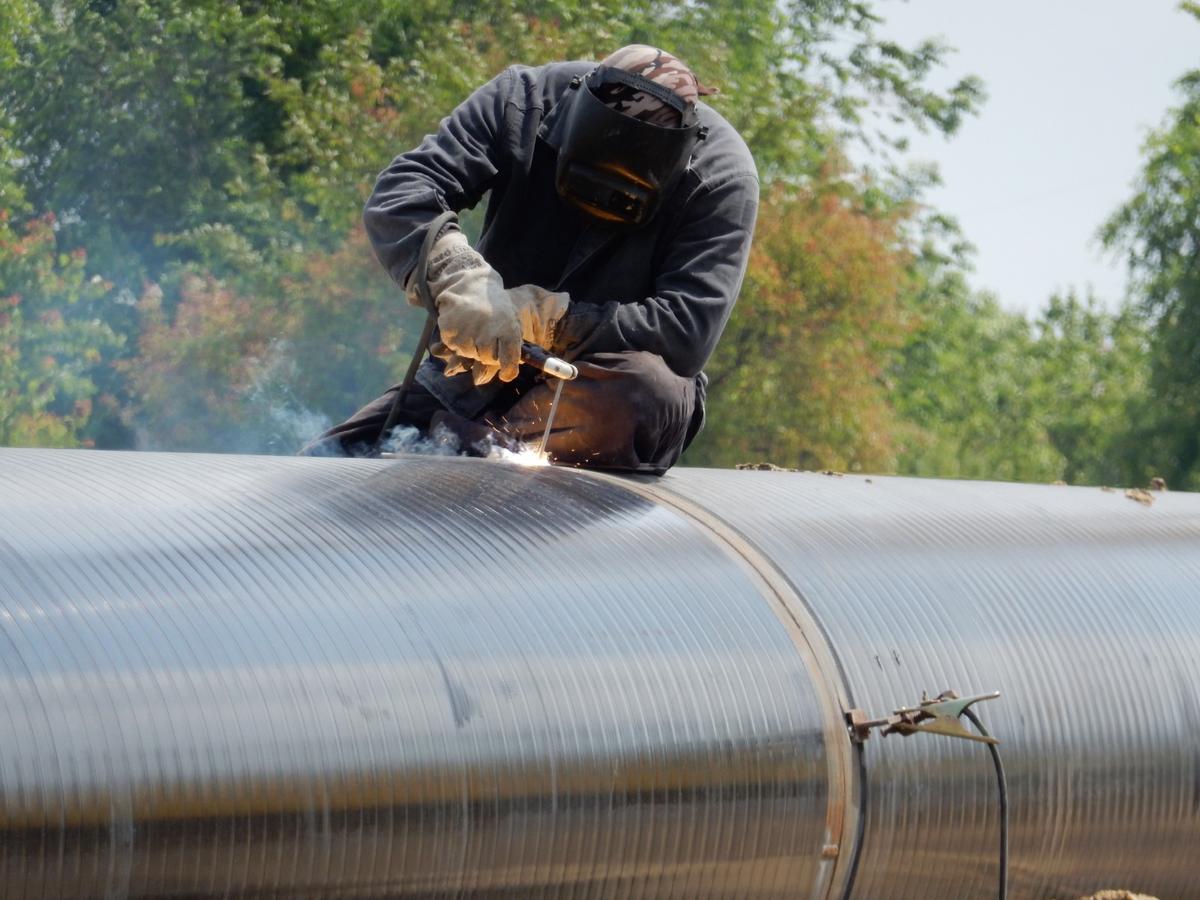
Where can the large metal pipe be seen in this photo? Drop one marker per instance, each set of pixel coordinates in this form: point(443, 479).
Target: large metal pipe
point(244, 676)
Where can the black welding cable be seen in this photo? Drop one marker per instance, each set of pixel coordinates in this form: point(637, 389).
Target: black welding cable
point(1002, 787)
point(422, 286)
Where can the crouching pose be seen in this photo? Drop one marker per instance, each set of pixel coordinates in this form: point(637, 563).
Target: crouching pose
point(616, 236)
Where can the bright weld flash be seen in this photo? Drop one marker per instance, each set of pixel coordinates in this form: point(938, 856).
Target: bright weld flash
point(531, 458)
point(526, 456)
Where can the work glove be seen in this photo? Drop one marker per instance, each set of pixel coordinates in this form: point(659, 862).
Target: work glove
point(476, 316)
point(539, 311)
point(456, 365)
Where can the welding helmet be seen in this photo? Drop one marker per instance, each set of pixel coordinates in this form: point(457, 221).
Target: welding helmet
point(615, 167)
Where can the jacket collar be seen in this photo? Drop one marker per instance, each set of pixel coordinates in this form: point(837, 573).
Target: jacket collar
point(551, 129)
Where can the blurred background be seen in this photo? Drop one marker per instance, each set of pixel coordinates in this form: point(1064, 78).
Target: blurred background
point(940, 285)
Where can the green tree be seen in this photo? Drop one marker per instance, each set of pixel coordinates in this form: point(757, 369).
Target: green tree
point(1090, 391)
point(965, 390)
point(212, 157)
point(131, 119)
point(145, 118)
point(985, 393)
point(49, 347)
point(1159, 231)
point(797, 379)
point(228, 370)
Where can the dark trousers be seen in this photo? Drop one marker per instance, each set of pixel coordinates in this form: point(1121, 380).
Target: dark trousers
point(625, 411)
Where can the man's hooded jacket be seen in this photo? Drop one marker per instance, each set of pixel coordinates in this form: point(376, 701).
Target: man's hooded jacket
point(667, 287)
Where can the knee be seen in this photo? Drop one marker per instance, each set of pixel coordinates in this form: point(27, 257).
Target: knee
point(629, 411)
point(643, 384)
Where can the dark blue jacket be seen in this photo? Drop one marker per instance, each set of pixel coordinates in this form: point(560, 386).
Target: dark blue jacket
point(667, 287)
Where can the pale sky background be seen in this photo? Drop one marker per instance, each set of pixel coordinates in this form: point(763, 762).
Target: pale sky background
point(1073, 88)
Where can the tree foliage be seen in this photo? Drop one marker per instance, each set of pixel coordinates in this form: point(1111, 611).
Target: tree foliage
point(798, 378)
point(986, 393)
point(182, 264)
point(229, 369)
point(1091, 371)
point(49, 346)
point(964, 389)
point(212, 157)
point(1159, 231)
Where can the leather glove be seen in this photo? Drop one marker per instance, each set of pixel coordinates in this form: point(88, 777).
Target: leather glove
point(456, 365)
point(539, 311)
point(476, 316)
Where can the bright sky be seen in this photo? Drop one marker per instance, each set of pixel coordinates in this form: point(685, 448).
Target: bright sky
point(1073, 86)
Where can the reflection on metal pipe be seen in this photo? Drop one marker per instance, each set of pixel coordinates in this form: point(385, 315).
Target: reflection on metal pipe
point(233, 676)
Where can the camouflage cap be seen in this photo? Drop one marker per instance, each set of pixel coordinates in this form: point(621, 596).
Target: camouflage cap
point(658, 66)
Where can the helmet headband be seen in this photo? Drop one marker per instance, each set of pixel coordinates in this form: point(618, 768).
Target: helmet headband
point(603, 76)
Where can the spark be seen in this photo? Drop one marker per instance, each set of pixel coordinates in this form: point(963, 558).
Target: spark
point(525, 456)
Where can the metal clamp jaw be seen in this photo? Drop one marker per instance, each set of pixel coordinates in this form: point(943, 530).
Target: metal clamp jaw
point(941, 716)
point(937, 716)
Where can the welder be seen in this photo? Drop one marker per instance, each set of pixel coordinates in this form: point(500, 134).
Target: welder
point(618, 225)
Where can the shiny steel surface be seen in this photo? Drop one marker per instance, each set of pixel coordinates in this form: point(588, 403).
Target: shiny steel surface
point(1080, 605)
point(237, 676)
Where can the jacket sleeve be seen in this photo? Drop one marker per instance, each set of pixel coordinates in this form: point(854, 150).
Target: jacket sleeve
point(451, 169)
point(695, 288)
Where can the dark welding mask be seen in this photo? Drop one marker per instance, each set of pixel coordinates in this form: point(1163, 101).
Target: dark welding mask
point(613, 166)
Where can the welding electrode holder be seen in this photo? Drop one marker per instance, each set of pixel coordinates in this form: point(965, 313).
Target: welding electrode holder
point(940, 715)
point(531, 354)
point(540, 359)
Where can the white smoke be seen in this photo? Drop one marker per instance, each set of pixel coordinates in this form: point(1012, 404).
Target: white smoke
point(442, 441)
point(283, 422)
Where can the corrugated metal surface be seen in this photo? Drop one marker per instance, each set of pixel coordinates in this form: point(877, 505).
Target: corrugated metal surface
point(246, 676)
point(1080, 605)
point(250, 676)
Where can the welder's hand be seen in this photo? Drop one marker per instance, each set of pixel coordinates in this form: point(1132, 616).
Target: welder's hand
point(539, 311)
point(476, 316)
point(481, 373)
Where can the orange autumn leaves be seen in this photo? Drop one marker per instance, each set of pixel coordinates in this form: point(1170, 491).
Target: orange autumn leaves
point(800, 376)
point(49, 337)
